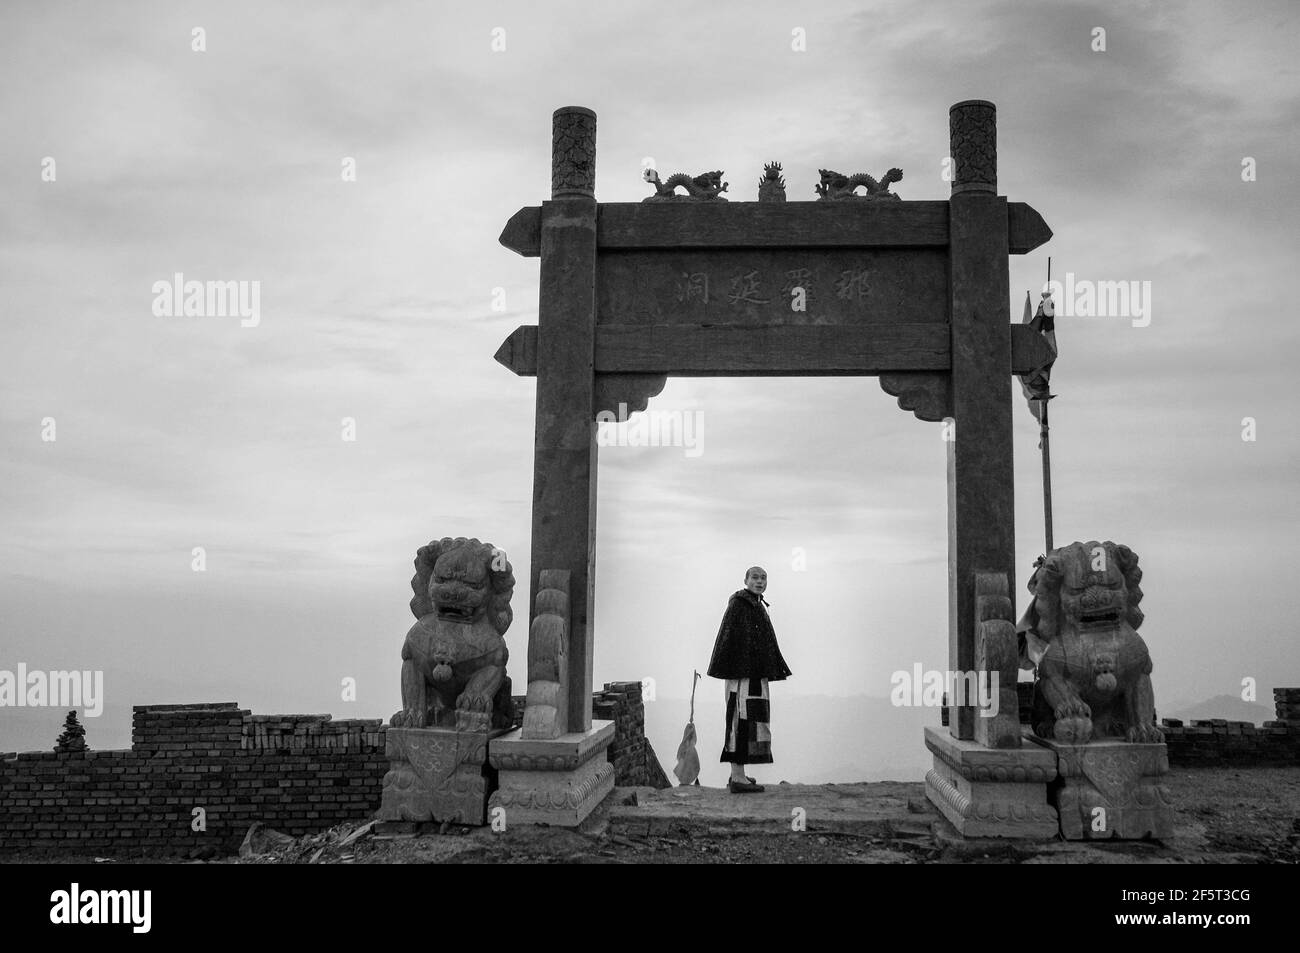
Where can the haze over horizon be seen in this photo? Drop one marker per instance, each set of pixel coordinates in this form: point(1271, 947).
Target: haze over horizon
point(376, 305)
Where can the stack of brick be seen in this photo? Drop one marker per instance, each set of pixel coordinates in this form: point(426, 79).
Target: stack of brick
point(167, 730)
point(631, 754)
point(298, 732)
point(1286, 702)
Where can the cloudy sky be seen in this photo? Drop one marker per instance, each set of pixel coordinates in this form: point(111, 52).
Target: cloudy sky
point(376, 304)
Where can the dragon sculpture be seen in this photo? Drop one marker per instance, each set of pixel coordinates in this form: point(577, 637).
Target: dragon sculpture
point(837, 187)
point(705, 187)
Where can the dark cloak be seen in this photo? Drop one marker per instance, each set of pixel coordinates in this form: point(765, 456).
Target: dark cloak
point(746, 644)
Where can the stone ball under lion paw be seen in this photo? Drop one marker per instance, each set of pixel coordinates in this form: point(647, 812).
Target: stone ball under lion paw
point(1073, 731)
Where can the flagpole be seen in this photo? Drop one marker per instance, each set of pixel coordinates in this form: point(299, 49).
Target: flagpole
point(1038, 393)
point(1047, 455)
point(1047, 476)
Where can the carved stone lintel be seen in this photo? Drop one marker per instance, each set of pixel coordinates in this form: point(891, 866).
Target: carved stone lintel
point(928, 394)
point(973, 145)
point(633, 391)
point(573, 152)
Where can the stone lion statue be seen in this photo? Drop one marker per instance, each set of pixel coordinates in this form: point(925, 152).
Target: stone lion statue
point(454, 658)
point(1095, 674)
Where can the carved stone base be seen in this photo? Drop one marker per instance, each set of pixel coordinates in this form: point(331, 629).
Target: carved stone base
point(991, 792)
point(1111, 789)
point(554, 781)
point(437, 774)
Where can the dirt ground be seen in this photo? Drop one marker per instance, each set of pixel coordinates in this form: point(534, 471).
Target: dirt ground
point(1225, 815)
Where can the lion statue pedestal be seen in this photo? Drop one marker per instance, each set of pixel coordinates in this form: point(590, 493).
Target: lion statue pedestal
point(437, 775)
point(455, 693)
point(1093, 704)
point(1111, 788)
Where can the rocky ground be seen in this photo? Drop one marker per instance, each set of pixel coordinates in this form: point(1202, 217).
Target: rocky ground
point(1225, 815)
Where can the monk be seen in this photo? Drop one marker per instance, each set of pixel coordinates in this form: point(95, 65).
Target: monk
point(746, 657)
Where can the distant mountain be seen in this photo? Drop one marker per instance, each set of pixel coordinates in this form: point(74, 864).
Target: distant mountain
point(816, 739)
point(1230, 707)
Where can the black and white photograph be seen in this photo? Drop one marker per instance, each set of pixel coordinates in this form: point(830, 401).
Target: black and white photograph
point(663, 435)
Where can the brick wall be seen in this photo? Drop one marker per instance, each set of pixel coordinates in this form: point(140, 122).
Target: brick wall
point(1217, 740)
point(295, 773)
point(631, 754)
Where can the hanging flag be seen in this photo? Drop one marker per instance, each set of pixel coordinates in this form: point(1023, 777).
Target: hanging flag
point(1035, 383)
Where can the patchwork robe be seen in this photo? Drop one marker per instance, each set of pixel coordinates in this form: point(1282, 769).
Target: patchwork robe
point(747, 657)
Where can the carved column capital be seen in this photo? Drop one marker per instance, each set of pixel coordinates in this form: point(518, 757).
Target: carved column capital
point(973, 144)
point(573, 152)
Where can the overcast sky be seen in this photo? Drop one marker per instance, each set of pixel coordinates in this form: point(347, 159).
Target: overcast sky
point(176, 432)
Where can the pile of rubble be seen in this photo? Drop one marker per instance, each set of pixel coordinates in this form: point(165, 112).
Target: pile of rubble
point(338, 845)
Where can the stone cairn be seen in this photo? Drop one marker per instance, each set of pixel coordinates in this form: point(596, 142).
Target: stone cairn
point(73, 737)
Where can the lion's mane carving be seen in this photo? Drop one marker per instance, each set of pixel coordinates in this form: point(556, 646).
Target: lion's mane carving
point(454, 658)
point(1095, 676)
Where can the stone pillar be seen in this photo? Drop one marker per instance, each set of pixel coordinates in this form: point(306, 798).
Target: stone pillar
point(981, 495)
point(564, 461)
point(555, 770)
point(985, 782)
